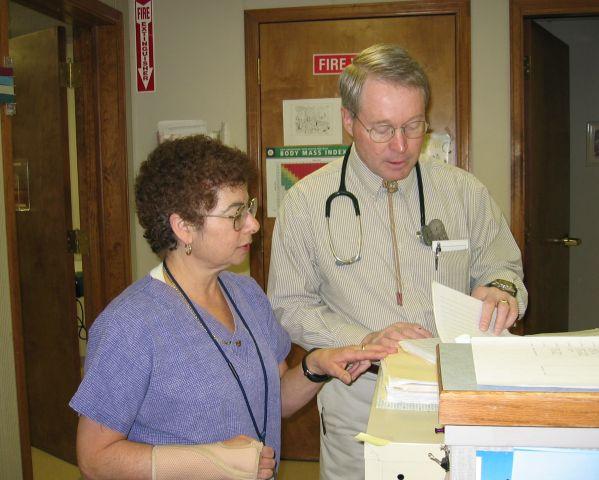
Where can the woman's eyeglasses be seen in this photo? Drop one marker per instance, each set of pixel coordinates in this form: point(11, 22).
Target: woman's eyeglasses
point(241, 215)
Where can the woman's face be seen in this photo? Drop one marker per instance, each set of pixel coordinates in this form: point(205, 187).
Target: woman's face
point(217, 244)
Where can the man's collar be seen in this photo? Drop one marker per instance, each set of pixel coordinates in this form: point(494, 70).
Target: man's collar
point(372, 183)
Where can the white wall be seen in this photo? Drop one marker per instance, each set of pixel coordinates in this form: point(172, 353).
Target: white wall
point(199, 56)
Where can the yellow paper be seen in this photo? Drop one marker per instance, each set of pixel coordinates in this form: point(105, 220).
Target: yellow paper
point(364, 437)
point(409, 367)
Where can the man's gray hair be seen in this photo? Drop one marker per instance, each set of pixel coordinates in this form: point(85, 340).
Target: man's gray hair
point(383, 61)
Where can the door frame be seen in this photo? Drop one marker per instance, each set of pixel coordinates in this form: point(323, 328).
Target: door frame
point(519, 10)
point(98, 45)
point(460, 9)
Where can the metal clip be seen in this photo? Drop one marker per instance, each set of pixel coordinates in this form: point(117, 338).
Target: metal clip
point(444, 462)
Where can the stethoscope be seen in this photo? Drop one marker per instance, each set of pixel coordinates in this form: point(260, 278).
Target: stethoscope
point(428, 233)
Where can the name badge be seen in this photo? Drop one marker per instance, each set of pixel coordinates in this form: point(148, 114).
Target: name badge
point(449, 245)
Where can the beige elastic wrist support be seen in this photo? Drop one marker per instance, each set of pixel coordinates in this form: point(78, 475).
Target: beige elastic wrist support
point(213, 461)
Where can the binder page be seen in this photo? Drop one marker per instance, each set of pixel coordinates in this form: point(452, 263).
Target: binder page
point(458, 314)
point(537, 361)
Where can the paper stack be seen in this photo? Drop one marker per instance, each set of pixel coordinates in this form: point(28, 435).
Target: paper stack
point(410, 383)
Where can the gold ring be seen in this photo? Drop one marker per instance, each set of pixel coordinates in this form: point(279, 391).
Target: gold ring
point(503, 301)
point(363, 346)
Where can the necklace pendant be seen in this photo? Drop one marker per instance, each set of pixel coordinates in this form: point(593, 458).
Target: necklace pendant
point(399, 296)
point(238, 343)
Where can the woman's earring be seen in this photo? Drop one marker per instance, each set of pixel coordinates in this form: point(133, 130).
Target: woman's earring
point(188, 249)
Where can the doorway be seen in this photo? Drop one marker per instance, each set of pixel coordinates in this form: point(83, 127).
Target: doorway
point(40, 140)
point(581, 35)
point(559, 269)
point(101, 160)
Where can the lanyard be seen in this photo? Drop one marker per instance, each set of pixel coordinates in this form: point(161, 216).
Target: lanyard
point(261, 434)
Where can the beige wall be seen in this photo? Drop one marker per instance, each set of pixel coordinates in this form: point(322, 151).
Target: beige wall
point(199, 56)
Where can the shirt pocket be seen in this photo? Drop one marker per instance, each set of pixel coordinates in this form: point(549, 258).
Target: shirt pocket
point(452, 269)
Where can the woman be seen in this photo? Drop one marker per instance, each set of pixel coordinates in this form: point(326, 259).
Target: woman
point(185, 372)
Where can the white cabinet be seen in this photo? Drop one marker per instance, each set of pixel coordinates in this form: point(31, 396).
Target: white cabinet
point(402, 461)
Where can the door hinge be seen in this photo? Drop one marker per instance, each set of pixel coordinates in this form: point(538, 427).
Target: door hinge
point(70, 74)
point(77, 242)
point(258, 66)
point(526, 65)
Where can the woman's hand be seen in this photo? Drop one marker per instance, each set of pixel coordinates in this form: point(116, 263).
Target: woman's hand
point(266, 463)
point(346, 363)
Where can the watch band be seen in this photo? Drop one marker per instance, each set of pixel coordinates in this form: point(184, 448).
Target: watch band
point(313, 377)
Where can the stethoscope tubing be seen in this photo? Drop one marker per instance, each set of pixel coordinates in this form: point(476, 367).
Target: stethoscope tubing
point(342, 191)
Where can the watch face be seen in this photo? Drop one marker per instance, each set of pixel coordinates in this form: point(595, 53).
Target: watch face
point(505, 286)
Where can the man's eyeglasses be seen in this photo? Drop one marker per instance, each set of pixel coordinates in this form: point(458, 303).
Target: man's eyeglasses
point(241, 215)
point(384, 133)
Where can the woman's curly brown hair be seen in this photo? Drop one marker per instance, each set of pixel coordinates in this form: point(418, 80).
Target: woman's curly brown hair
point(184, 176)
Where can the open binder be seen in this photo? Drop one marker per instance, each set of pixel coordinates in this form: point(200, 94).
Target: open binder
point(463, 402)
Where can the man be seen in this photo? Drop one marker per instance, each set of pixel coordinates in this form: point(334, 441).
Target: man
point(367, 279)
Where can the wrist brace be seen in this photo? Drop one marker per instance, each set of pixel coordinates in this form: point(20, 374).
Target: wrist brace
point(213, 461)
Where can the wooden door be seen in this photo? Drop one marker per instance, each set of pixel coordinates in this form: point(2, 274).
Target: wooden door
point(284, 40)
point(286, 50)
point(46, 268)
point(547, 177)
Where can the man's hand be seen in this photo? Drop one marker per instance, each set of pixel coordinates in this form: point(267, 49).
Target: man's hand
point(494, 298)
point(390, 336)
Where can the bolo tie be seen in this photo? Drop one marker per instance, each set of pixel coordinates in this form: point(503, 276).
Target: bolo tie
point(391, 187)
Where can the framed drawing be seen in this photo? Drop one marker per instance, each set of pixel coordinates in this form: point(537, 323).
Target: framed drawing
point(592, 143)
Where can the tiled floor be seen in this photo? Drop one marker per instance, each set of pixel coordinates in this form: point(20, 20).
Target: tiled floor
point(47, 467)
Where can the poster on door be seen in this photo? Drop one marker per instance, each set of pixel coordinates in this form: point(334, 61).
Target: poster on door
point(144, 46)
point(285, 166)
point(312, 121)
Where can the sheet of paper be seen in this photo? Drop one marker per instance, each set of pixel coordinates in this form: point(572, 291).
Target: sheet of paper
point(399, 368)
point(425, 348)
point(537, 361)
point(366, 438)
point(458, 314)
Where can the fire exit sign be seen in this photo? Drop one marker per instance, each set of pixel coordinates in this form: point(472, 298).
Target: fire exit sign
point(330, 63)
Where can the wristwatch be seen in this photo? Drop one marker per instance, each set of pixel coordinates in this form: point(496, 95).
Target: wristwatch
point(313, 377)
point(504, 285)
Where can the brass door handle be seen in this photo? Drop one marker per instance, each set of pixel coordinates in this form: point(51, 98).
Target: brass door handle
point(566, 241)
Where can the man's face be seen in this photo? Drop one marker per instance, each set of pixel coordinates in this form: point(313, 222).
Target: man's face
point(383, 103)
